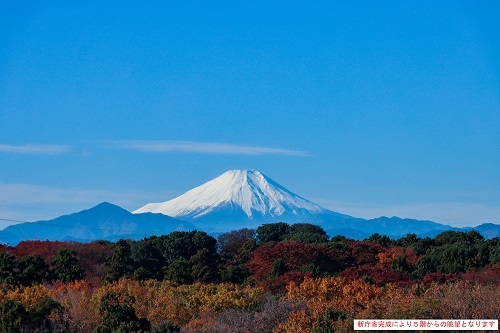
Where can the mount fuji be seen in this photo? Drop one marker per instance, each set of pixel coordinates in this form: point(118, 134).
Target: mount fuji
point(240, 199)
point(247, 198)
point(237, 199)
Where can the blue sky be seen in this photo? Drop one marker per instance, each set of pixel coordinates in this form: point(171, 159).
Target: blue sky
point(367, 108)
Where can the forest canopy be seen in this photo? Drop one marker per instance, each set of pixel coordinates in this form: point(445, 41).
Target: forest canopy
point(276, 278)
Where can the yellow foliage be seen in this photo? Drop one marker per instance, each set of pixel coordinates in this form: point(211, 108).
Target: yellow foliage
point(317, 290)
point(160, 301)
point(193, 301)
point(195, 307)
point(298, 321)
point(336, 292)
point(28, 296)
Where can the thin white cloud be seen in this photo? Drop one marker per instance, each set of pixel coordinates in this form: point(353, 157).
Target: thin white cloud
point(35, 149)
point(457, 214)
point(201, 147)
point(28, 202)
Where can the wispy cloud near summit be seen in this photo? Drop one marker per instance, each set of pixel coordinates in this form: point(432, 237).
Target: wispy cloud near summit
point(201, 147)
point(35, 149)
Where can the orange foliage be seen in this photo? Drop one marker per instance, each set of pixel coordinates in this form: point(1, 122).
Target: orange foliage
point(27, 296)
point(298, 321)
point(204, 324)
point(336, 292)
point(385, 258)
point(215, 307)
point(78, 299)
point(357, 299)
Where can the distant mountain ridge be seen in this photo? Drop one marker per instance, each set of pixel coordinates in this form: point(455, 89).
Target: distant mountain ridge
point(236, 199)
point(102, 222)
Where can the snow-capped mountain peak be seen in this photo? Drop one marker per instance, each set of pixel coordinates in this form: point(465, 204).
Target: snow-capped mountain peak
point(236, 191)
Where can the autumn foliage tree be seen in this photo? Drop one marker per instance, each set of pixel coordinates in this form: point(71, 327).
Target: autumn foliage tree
point(274, 265)
point(281, 278)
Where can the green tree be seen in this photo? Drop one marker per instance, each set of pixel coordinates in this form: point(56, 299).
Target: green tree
point(13, 317)
point(166, 327)
point(278, 267)
point(245, 252)
point(147, 260)
point(341, 239)
point(179, 271)
point(38, 313)
point(407, 241)
point(8, 265)
point(325, 324)
point(272, 232)
point(383, 240)
point(205, 266)
point(33, 269)
point(118, 315)
point(185, 244)
point(306, 233)
point(453, 257)
point(423, 245)
point(235, 274)
point(494, 250)
point(399, 264)
point(120, 263)
point(451, 237)
point(230, 243)
point(66, 266)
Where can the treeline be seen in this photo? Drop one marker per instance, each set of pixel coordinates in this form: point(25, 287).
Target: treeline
point(277, 278)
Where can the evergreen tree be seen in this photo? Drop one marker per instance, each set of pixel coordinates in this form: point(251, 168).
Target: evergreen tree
point(118, 315)
point(272, 232)
point(120, 263)
point(147, 260)
point(179, 271)
point(325, 324)
point(185, 244)
point(38, 313)
point(66, 266)
point(33, 269)
point(13, 317)
point(8, 265)
point(306, 233)
point(230, 243)
point(205, 266)
point(383, 240)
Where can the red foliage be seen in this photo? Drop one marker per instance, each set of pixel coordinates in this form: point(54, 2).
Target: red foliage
point(439, 278)
point(488, 275)
point(365, 252)
point(378, 275)
point(5, 248)
point(45, 249)
point(92, 256)
point(298, 260)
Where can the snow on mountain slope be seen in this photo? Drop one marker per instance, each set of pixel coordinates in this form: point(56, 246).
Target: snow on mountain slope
point(244, 191)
